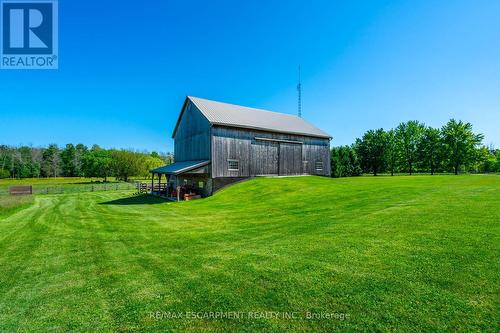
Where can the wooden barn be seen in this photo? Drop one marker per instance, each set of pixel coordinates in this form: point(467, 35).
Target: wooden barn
point(217, 144)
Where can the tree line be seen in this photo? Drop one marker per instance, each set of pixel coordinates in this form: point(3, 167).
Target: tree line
point(414, 147)
point(77, 161)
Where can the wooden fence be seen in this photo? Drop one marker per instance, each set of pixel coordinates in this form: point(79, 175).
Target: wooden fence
point(21, 190)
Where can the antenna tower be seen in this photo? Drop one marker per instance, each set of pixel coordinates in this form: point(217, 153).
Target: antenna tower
point(299, 90)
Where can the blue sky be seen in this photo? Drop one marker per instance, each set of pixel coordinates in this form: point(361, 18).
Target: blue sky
point(125, 67)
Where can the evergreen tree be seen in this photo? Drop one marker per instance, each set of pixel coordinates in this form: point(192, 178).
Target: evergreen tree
point(51, 161)
point(68, 161)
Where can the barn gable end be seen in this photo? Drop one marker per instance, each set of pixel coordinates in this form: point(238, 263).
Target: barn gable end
point(191, 135)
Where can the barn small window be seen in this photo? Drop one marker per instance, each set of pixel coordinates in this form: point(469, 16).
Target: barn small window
point(201, 184)
point(233, 165)
point(319, 166)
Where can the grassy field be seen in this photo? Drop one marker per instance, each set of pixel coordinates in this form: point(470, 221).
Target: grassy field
point(12, 204)
point(65, 184)
point(50, 181)
point(376, 253)
point(60, 181)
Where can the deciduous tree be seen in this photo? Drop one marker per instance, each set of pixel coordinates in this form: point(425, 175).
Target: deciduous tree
point(125, 164)
point(344, 162)
point(392, 153)
point(460, 144)
point(408, 137)
point(371, 149)
point(431, 149)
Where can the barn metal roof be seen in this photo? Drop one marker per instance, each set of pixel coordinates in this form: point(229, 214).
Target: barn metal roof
point(232, 115)
point(179, 167)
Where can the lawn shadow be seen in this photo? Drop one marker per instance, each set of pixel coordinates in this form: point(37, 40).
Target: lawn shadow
point(92, 183)
point(143, 199)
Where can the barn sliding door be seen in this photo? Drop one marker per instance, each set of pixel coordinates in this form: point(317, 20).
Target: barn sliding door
point(290, 159)
point(264, 158)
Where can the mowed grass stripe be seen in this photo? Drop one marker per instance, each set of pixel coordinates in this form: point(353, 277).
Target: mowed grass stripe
point(401, 253)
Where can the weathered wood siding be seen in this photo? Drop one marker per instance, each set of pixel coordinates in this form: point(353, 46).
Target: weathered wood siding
point(257, 157)
point(290, 159)
point(266, 157)
point(192, 138)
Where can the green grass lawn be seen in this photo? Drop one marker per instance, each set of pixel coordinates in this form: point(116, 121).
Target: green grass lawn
point(388, 253)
